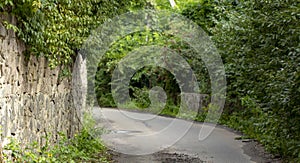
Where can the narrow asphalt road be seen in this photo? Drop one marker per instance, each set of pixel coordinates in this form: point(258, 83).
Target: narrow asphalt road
point(142, 134)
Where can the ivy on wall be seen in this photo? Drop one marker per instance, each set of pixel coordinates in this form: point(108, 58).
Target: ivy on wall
point(57, 28)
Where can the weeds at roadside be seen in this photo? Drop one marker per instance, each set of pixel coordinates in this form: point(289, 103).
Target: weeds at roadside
point(83, 147)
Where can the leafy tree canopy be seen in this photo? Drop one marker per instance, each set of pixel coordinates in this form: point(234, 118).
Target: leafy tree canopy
point(56, 29)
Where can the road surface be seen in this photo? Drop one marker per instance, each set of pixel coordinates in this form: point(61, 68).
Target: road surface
point(141, 137)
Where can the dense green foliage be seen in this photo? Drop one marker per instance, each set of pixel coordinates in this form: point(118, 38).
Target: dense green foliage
point(83, 147)
point(56, 29)
point(115, 54)
point(148, 77)
point(259, 44)
point(258, 40)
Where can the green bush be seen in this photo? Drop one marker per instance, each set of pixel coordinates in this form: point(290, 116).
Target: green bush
point(259, 41)
point(83, 147)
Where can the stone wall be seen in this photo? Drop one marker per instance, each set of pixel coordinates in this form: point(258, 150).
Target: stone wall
point(34, 101)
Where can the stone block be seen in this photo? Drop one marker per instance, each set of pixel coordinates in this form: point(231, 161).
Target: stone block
point(3, 32)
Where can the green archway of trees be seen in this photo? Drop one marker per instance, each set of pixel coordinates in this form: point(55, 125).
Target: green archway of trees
point(148, 77)
point(258, 41)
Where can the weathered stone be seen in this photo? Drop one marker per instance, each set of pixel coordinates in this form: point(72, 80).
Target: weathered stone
point(3, 31)
point(31, 104)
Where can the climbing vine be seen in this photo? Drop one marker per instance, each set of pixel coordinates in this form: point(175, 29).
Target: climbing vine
point(57, 28)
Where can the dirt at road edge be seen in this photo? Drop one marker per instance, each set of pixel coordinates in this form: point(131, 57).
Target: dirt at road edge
point(158, 157)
